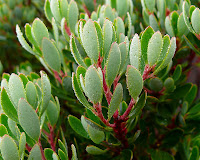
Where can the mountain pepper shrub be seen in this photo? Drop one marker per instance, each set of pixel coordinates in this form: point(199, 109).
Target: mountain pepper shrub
point(118, 84)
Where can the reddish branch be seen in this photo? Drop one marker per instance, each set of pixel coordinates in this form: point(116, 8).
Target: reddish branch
point(56, 75)
point(128, 110)
point(51, 138)
point(147, 72)
point(67, 30)
point(42, 151)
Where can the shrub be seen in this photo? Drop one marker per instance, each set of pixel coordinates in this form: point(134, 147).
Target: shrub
point(118, 85)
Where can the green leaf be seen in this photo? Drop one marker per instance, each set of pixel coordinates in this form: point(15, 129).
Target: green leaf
point(9, 148)
point(31, 94)
point(61, 154)
point(30, 37)
point(169, 55)
point(113, 64)
point(115, 101)
point(134, 81)
point(177, 73)
point(119, 26)
point(63, 30)
point(64, 149)
point(181, 26)
point(192, 94)
point(107, 36)
point(27, 116)
point(154, 48)
point(64, 8)
point(174, 21)
point(47, 10)
point(165, 47)
point(185, 9)
point(135, 52)
point(122, 7)
point(22, 41)
point(7, 106)
point(150, 4)
point(78, 92)
point(3, 130)
point(74, 154)
point(108, 13)
point(55, 9)
point(95, 135)
point(195, 153)
point(130, 28)
point(156, 84)
point(55, 30)
point(93, 85)
point(158, 155)
point(22, 143)
point(146, 36)
point(139, 106)
point(169, 84)
point(76, 125)
point(90, 40)
point(124, 55)
point(95, 150)
point(77, 56)
point(195, 20)
point(39, 31)
point(191, 45)
point(73, 13)
point(16, 89)
point(99, 35)
point(52, 113)
point(153, 22)
point(169, 27)
point(90, 5)
point(46, 92)
point(51, 54)
point(35, 153)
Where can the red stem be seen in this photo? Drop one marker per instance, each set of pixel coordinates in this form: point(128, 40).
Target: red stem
point(147, 70)
point(42, 151)
point(128, 110)
point(56, 75)
point(28, 148)
point(51, 138)
point(67, 30)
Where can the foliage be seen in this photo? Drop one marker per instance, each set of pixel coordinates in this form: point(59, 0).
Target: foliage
point(122, 73)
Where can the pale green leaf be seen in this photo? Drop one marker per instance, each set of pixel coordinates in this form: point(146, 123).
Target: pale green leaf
point(134, 81)
point(93, 85)
point(90, 40)
point(31, 94)
point(35, 153)
point(55, 9)
point(73, 13)
point(96, 135)
point(154, 48)
point(95, 150)
point(195, 20)
point(22, 144)
point(116, 100)
point(113, 64)
point(135, 52)
point(8, 148)
point(27, 116)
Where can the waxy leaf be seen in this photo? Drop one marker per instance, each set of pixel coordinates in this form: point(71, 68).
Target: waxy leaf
point(31, 94)
point(169, 55)
point(35, 153)
point(16, 89)
point(3, 130)
point(90, 40)
point(122, 7)
point(47, 10)
point(113, 64)
point(22, 41)
point(7, 106)
point(146, 36)
point(169, 27)
point(9, 148)
point(115, 101)
point(107, 36)
point(181, 26)
point(55, 9)
point(134, 81)
point(52, 113)
point(95, 150)
point(22, 143)
point(27, 116)
point(77, 56)
point(153, 22)
point(135, 52)
point(64, 8)
point(39, 31)
point(93, 85)
point(124, 55)
point(95, 135)
point(195, 20)
point(119, 26)
point(76, 125)
point(78, 92)
point(46, 92)
point(150, 4)
point(51, 54)
point(154, 48)
point(74, 154)
point(72, 15)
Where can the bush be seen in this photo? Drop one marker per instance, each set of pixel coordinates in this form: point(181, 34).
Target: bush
point(118, 85)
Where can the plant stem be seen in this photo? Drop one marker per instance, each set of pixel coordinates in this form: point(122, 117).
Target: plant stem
point(51, 138)
point(42, 151)
point(128, 110)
